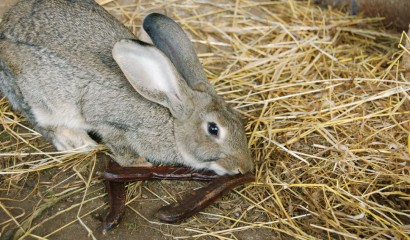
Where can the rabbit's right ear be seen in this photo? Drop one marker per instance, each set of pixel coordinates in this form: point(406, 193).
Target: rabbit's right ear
point(153, 76)
point(171, 39)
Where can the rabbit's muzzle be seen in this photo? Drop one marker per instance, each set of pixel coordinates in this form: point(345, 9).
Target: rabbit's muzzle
point(236, 164)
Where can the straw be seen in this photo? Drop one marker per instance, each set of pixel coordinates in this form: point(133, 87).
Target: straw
point(327, 105)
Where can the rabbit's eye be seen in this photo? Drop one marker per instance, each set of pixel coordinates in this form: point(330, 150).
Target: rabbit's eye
point(213, 129)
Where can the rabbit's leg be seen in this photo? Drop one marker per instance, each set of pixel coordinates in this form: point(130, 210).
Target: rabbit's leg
point(129, 159)
point(11, 90)
point(121, 151)
point(64, 139)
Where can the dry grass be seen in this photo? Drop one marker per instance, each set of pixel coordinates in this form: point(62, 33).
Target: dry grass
point(328, 109)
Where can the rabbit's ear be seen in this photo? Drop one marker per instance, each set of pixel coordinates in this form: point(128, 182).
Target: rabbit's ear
point(171, 39)
point(153, 76)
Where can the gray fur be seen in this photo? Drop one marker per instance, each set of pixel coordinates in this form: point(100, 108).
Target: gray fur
point(57, 68)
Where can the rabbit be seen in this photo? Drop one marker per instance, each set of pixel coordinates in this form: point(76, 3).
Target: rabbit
point(82, 78)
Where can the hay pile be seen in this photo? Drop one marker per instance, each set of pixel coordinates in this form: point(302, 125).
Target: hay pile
point(328, 109)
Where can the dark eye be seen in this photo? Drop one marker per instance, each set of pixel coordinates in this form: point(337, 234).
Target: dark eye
point(213, 129)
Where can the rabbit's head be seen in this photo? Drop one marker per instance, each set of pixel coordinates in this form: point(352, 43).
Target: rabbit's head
point(212, 137)
point(208, 133)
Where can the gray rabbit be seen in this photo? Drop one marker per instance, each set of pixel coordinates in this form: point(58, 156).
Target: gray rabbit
point(81, 77)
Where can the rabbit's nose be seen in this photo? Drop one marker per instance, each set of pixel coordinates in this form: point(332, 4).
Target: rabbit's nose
point(246, 166)
point(243, 171)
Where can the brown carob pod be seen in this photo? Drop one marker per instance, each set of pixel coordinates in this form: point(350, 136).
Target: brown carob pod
point(116, 176)
point(116, 198)
point(123, 174)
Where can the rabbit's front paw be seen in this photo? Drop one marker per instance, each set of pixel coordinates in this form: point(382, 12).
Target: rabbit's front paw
point(68, 139)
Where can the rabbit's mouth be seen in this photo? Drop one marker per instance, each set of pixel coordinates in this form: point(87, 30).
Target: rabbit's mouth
point(218, 169)
point(239, 163)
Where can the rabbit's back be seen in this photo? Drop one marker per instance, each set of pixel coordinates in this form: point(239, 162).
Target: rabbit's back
point(64, 25)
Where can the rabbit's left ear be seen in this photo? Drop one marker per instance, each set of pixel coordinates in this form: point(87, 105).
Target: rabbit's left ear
point(153, 76)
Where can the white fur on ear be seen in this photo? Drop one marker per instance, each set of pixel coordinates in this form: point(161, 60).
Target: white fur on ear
point(153, 76)
point(145, 66)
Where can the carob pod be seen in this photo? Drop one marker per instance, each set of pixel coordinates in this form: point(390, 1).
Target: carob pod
point(201, 198)
point(116, 177)
point(116, 195)
point(126, 174)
